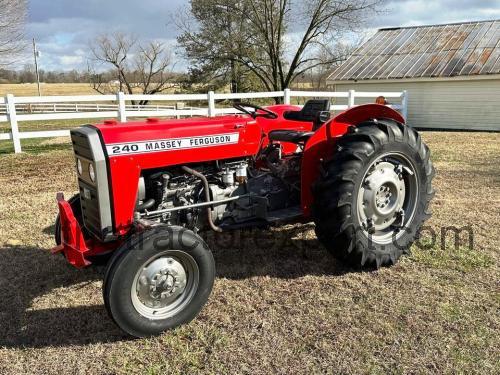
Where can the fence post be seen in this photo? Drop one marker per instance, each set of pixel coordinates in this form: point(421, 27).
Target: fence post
point(404, 104)
point(122, 115)
point(211, 104)
point(350, 99)
point(286, 96)
point(12, 116)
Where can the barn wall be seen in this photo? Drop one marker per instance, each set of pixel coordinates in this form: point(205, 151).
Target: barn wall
point(472, 104)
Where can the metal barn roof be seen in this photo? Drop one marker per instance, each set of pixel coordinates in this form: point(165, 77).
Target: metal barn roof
point(461, 49)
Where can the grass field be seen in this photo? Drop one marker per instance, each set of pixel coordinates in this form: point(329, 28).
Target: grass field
point(283, 307)
point(30, 89)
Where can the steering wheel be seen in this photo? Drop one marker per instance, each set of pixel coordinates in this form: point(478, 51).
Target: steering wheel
point(243, 108)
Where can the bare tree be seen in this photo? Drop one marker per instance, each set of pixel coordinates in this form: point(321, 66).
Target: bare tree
point(265, 46)
point(12, 20)
point(138, 68)
point(328, 57)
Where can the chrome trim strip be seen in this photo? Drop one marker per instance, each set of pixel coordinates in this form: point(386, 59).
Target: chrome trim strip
point(101, 181)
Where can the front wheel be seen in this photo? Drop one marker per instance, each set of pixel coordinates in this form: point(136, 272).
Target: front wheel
point(158, 280)
point(373, 194)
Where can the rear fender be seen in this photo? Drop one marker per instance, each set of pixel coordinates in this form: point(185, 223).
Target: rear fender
point(322, 144)
point(365, 112)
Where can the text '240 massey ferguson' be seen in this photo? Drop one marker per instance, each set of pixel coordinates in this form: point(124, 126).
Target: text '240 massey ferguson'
point(148, 189)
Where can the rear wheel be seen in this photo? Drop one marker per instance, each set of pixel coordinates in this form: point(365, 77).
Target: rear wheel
point(158, 280)
point(373, 195)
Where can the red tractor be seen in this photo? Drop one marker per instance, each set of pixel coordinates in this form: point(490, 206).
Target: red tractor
point(148, 189)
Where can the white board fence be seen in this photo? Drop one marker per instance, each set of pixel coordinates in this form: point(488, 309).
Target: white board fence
point(115, 107)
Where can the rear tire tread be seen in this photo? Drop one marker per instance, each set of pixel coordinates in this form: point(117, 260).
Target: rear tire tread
point(334, 191)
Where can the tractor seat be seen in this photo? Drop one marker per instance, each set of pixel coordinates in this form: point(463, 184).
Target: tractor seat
point(309, 111)
point(292, 136)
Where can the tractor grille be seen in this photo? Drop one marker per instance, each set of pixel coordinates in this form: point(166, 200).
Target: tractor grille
point(90, 208)
point(88, 192)
point(81, 145)
point(94, 196)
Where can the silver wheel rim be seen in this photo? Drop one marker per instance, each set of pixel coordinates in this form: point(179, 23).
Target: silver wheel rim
point(165, 284)
point(387, 197)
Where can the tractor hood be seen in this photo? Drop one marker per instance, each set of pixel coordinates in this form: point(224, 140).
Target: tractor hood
point(153, 128)
point(198, 139)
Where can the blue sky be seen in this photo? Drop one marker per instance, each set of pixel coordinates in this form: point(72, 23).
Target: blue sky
point(63, 28)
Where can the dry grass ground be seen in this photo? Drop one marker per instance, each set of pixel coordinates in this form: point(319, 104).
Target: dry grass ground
point(30, 89)
point(278, 306)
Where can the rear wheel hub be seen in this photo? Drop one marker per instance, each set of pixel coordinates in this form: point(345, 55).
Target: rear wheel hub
point(383, 195)
point(387, 196)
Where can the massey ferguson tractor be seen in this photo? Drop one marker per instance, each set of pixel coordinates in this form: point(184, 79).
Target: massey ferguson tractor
point(149, 190)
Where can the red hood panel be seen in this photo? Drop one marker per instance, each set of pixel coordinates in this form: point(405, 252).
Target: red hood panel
point(165, 142)
point(152, 129)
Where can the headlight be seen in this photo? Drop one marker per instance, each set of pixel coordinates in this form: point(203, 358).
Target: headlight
point(91, 172)
point(79, 166)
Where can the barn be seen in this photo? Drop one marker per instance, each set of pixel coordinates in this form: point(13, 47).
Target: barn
point(451, 73)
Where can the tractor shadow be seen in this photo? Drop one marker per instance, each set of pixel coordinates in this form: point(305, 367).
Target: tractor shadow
point(32, 277)
point(289, 252)
point(31, 274)
point(49, 230)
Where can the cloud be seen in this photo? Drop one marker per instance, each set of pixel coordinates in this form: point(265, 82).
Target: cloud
point(62, 27)
point(71, 60)
point(424, 12)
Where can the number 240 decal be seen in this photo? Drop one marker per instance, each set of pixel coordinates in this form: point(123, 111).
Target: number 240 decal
point(124, 148)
